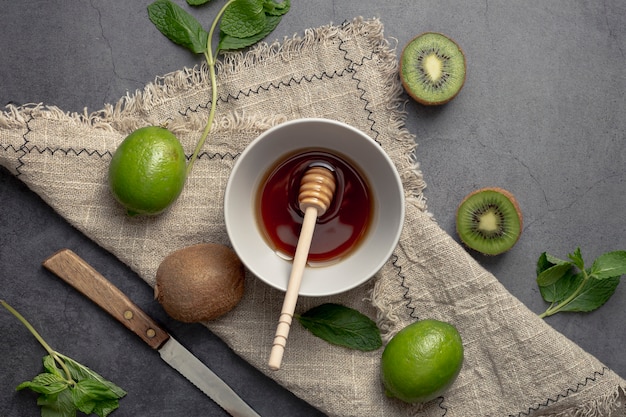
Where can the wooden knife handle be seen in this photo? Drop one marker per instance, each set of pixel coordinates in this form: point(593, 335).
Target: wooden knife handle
point(72, 269)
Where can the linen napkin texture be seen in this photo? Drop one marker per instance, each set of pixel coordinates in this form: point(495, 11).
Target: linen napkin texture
point(515, 364)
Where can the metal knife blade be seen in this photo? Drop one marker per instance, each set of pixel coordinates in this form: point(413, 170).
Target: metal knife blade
point(202, 377)
point(71, 268)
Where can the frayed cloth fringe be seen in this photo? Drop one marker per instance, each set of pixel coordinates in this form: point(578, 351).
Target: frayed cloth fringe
point(613, 404)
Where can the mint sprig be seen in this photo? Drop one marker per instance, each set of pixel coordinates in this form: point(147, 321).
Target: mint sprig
point(242, 23)
point(67, 386)
point(342, 326)
point(568, 285)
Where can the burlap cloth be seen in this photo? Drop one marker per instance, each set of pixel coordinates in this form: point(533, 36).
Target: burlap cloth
point(515, 364)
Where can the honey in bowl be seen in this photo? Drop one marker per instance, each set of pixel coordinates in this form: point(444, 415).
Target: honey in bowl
point(338, 231)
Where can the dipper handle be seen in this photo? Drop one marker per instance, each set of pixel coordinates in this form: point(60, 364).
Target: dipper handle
point(317, 190)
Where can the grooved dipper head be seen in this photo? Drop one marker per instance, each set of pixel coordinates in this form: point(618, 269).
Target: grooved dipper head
point(317, 189)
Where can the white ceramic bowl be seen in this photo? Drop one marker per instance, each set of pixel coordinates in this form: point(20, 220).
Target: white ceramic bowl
point(263, 153)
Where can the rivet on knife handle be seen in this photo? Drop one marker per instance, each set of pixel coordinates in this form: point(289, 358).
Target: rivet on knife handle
point(72, 269)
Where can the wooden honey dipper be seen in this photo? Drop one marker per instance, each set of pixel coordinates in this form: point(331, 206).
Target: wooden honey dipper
point(317, 189)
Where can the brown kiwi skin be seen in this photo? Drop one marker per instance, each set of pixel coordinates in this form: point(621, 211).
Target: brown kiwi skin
point(407, 87)
point(507, 194)
point(200, 283)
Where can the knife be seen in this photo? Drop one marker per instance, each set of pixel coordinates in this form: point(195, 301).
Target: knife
point(72, 269)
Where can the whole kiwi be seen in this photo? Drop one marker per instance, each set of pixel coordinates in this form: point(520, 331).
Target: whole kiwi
point(200, 282)
point(489, 220)
point(432, 68)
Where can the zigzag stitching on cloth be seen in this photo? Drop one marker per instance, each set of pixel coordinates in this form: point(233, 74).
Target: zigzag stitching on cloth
point(216, 155)
point(412, 315)
point(445, 409)
point(268, 87)
point(351, 67)
point(10, 146)
point(52, 151)
point(68, 151)
point(561, 396)
point(78, 152)
point(363, 59)
point(403, 285)
point(366, 107)
point(23, 148)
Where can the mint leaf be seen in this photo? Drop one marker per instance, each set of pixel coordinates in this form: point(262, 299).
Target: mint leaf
point(546, 261)
point(553, 274)
point(577, 259)
point(561, 289)
point(594, 294)
point(231, 43)
point(197, 2)
point(612, 264)
point(104, 408)
point(60, 405)
point(80, 372)
point(51, 366)
point(551, 269)
point(243, 18)
point(342, 326)
point(45, 384)
point(543, 263)
point(276, 9)
point(178, 25)
point(553, 260)
point(88, 393)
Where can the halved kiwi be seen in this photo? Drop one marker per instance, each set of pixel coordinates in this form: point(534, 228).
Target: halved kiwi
point(432, 68)
point(489, 221)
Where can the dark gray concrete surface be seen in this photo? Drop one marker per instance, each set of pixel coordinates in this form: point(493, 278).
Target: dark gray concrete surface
point(542, 114)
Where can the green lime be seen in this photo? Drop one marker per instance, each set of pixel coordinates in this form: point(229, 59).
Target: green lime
point(421, 361)
point(147, 172)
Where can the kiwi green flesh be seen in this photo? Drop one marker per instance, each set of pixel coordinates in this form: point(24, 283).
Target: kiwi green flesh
point(489, 222)
point(432, 68)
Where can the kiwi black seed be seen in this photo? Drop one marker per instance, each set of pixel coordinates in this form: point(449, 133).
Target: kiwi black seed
point(489, 221)
point(432, 68)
